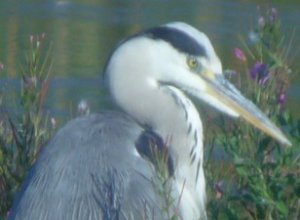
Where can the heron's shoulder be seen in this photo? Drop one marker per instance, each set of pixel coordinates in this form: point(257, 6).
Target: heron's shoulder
point(96, 132)
point(105, 119)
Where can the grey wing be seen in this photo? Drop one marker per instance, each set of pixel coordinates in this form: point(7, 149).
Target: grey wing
point(90, 170)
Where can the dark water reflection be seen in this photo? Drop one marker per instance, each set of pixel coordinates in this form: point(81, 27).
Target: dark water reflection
point(84, 32)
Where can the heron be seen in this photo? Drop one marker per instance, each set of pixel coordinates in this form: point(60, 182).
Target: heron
point(101, 166)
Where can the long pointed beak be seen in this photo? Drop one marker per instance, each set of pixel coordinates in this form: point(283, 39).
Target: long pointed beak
point(217, 87)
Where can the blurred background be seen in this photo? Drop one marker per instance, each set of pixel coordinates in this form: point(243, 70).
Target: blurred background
point(83, 33)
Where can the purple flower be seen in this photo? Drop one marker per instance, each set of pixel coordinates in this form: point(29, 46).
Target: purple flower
point(274, 14)
point(282, 98)
point(219, 189)
point(239, 54)
point(260, 72)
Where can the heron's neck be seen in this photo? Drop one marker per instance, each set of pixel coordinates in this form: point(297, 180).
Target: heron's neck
point(174, 117)
point(183, 127)
point(179, 123)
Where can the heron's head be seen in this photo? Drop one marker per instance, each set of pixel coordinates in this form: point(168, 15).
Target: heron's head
point(178, 55)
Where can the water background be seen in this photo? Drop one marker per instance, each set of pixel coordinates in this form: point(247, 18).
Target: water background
point(84, 32)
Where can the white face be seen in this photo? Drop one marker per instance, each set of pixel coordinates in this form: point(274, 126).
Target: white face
point(188, 72)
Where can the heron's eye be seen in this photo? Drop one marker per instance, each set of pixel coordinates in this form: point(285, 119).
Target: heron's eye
point(192, 62)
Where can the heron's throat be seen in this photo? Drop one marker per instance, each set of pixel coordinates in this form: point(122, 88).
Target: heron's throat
point(181, 125)
point(183, 129)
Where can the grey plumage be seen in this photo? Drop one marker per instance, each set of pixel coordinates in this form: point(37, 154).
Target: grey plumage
point(74, 179)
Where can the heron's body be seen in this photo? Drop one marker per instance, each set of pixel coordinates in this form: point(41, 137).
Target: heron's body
point(76, 180)
point(98, 166)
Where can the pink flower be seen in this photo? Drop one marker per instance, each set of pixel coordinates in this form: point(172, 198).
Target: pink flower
point(53, 123)
point(31, 38)
point(261, 22)
point(1, 66)
point(282, 98)
point(239, 54)
point(43, 35)
point(83, 108)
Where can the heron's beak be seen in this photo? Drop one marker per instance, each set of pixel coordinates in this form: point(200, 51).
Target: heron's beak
point(222, 91)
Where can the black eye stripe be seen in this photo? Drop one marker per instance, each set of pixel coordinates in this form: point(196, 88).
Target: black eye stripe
point(177, 39)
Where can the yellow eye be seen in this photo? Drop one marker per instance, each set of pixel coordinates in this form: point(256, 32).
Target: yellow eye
point(192, 62)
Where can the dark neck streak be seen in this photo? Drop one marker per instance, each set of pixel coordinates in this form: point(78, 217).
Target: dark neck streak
point(193, 132)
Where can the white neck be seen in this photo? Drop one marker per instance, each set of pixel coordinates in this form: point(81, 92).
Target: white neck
point(186, 145)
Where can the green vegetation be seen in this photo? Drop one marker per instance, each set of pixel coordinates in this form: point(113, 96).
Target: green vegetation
point(253, 177)
point(22, 135)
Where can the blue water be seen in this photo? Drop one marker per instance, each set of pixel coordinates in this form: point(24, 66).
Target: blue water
point(83, 34)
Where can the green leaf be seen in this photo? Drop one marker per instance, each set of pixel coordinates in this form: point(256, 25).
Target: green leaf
point(242, 170)
point(282, 208)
